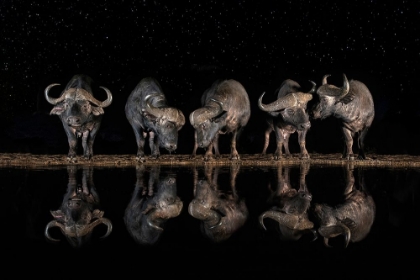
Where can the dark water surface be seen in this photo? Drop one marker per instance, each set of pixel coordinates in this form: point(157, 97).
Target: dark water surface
point(180, 248)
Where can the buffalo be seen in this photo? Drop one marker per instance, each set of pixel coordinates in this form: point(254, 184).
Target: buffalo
point(221, 212)
point(289, 207)
point(286, 116)
point(151, 205)
point(353, 105)
point(77, 113)
point(225, 109)
point(149, 114)
point(352, 218)
point(78, 214)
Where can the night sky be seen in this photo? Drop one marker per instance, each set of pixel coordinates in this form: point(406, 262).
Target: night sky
point(187, 45)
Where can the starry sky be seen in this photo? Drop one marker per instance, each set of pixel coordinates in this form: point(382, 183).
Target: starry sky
point(187, 45)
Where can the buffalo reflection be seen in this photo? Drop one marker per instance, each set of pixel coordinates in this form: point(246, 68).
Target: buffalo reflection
point(79, 213)
point(151, 205)
point(289, 207)
point(353, 218)
point(222, 212)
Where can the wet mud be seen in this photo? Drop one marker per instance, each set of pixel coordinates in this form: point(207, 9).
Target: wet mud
point(37, 161)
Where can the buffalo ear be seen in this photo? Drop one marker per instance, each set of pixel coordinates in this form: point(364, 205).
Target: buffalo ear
point(97, 110)
point(149, 117)
point(97, 213)
point(57, 110)
point(148, 209)
point(57, 214)
point(220, 117)
point(350, 223)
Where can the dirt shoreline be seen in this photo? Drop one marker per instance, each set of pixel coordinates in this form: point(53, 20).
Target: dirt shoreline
point(37, 161)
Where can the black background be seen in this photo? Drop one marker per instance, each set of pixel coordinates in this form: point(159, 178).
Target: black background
point(186, 45)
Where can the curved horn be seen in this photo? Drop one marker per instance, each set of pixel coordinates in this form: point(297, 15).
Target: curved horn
point(283, 102)
point(287, 220)
point(51, 100)
point(313, 89)
point(303, 97)
point(152, 224)
point(95, 101)
point(171, 114)
point(333, 231)
point(324, 79)
point(346, 87)
point(155, 111)
point(108, 100)
point(331, 90)
point(200, 115)
point(51, 225)
point(99, 221)
point(209, 216)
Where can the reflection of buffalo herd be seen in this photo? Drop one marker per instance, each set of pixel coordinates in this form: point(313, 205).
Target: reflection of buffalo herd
point(220, 208)
point(225, 109)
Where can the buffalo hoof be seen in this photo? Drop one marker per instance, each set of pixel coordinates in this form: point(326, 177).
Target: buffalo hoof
point(87, 157)
point(350, 157)
point(277, 157)
point(208, 157)
point(71, 159)
point(140, 159)
point(304, 156)
point(364, 158)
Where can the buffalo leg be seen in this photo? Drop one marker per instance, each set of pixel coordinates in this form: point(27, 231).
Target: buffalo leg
point(278, 154)
point(286, 145)
point(88, 139)
point(361, 143)
point(267, 136)
point(154, 145)
point(72, 140)
point(194, 152)
point(234, 155)
point(87, 145)
point(302, 143)
point(348, 140)
point(209, 152)
point(216, 145)
point(140, 140)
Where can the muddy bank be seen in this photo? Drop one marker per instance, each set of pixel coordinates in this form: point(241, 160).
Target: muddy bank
point(37, 161)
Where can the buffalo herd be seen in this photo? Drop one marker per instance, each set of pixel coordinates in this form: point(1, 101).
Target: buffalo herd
point(225, 109)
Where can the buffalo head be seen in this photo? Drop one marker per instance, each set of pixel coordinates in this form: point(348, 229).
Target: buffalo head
point(221, 213)
point(292, 108)
point(207, 122)
point(352, 218)
point(289, 207)
point(78, 215)
point(328, 96)
point(151, 206)
point(167, 122)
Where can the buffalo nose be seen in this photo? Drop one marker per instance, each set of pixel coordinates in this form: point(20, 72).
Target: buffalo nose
point(73, 120)
point(305, 195)
point(306, 125)
point(172, 147)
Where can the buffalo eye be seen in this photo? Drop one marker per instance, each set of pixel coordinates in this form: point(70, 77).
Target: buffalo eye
point(290, 111)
